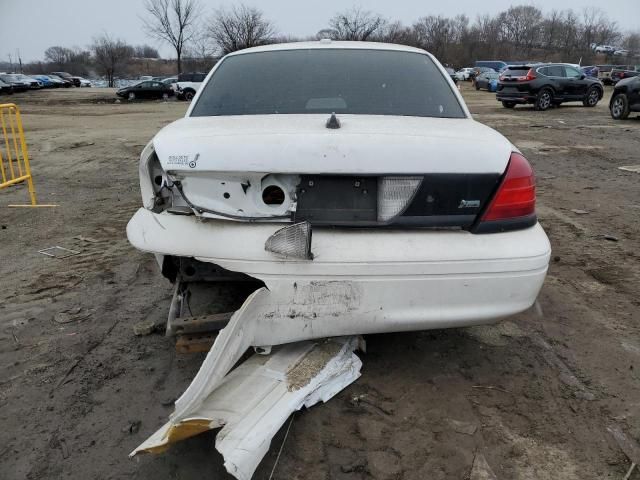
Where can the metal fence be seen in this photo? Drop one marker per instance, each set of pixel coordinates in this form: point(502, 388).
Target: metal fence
point(14, 156)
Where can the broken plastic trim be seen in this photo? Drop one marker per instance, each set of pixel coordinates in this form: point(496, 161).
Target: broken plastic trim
point(255, 399)
point(201, 210)
point(293, 241)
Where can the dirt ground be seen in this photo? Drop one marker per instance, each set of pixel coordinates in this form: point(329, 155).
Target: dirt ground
point(534, 394)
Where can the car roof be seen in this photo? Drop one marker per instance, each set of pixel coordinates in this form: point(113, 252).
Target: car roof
point(329, 44)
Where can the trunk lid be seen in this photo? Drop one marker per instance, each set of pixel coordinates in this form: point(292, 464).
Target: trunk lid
point(365, 144)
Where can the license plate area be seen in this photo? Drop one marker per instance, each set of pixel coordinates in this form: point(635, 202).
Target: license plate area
point(337, 200)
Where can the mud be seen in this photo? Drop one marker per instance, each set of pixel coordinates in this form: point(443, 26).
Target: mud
point(540, 390)
point(302, 373)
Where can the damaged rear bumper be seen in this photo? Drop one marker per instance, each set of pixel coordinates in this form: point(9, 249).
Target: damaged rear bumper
point(366, 280)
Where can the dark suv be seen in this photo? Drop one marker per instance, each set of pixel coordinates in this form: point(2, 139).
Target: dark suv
point(625, 98)
point(547, 84)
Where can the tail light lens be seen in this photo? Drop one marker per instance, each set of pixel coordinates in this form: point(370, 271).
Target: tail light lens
point(394, 195)
point(516, 196)
point(531, 75)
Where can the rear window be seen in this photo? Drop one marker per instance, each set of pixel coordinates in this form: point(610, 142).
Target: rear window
point(347, 81)
point(516, 71)
point(191, 77)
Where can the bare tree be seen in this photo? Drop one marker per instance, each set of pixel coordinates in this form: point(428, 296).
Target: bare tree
point(357, 24)
point(172, 21)
point(57, 55)
point(632, 41)
point(110, 55)
point(145, 51)
point(240, 27)
point(434, 34)
point(522, 27)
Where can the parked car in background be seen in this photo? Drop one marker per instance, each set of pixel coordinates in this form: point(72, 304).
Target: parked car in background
point(452, 74)
point(464, 73)
point(13, 80)
point(590, 71)
point(45, 81)
point(546, 85)
point(287, 147)
point(625, 98)
point(81, 82)
point(487, 81)
point(607, 49)
point(6, 88)
point(621, 53)
point(33, 83)
point(66, 82)
point(477, 71)
point(64, 75)
point(146, 90)
point(188, 84)
point(496, 65)
point(618, 74)
point(170, 80)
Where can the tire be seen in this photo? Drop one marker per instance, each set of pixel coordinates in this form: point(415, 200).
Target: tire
point(477, 86)
point(508, 104)
point(592, 97)
point(619, 107)
point(165, 96)
point(544, 99)
point(131, 96)
point(188, 95)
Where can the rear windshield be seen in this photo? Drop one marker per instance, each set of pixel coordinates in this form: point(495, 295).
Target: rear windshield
point(348, 81)
point(516, 71)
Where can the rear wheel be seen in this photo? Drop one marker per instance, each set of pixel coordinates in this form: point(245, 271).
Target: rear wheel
point(131, 96)
point(544, 99)
point(592, 97)
point(477, 86)
point(509, 104)
point(619, 107)
point(188, 95)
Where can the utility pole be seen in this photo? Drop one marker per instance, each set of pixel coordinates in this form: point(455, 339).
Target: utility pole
point(19, 59)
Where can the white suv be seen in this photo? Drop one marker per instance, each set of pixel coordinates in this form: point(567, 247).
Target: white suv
point(188, 84)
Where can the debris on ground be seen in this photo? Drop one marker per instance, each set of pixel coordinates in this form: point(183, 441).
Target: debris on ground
point(577, 211)
point(630, 168)
point(628, 445)
point(146, 327)
point(481, 469)
point(58, 252)
point(465, 428)
point(71, 315)
point(133, 427)
point(254, 400)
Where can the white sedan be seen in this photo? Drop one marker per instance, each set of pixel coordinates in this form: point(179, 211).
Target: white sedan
point(464, 74)
point(421, 217)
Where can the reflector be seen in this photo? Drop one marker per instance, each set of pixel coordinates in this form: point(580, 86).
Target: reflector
point(395, 194)
point(293, 241)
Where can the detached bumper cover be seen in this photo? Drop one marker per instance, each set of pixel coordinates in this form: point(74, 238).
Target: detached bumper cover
point(363, 281)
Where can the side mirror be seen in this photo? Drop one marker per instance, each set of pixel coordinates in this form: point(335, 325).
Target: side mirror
point(583, 76)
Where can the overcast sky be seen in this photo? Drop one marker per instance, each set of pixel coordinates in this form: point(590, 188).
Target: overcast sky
point(34, 25)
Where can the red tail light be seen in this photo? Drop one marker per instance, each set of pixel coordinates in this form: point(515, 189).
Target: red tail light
point(531, 75)
point(516, 196)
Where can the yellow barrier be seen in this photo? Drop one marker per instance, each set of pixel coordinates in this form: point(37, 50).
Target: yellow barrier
point(14, 156)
